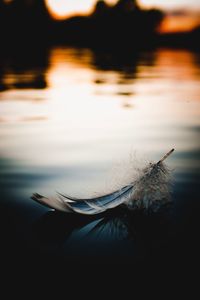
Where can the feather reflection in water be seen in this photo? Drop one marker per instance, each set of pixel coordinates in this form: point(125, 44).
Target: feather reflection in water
point(118, 232)
point(100, 233)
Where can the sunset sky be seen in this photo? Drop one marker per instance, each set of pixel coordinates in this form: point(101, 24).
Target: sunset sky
point(181, 14)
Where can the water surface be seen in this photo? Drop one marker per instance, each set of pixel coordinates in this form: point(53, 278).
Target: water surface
point(69, 118)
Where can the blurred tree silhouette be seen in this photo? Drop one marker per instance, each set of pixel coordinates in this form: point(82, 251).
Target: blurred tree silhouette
point(29, 20)
point(24, 21)
point(101, 8)
point(126, 5)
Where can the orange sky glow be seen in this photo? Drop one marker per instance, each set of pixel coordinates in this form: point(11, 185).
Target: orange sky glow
point(61, 9)
point(179, 23)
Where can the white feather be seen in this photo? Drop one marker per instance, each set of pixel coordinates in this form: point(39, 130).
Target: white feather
point(149, 190)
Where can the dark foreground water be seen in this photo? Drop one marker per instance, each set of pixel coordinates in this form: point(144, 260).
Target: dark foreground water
point(69, 121)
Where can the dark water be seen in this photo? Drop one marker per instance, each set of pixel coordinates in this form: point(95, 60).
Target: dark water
point(69, 121)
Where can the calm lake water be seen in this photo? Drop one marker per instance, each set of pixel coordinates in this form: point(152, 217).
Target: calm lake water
point(76, 121)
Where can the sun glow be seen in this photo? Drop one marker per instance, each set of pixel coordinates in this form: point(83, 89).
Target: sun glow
point(60, 9)
point(63, 8)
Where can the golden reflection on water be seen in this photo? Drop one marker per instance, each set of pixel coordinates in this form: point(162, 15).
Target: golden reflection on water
point(96, 108)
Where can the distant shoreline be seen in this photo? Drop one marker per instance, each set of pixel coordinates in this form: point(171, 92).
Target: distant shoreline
point(124, 26)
